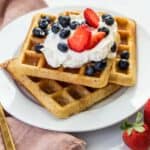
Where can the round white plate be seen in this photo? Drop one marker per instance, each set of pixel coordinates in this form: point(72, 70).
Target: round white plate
point(114, 109)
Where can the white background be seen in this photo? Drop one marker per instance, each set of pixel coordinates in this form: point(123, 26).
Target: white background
point(110, 138)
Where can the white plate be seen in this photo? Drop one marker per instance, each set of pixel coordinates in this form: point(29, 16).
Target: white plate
point(117, 107)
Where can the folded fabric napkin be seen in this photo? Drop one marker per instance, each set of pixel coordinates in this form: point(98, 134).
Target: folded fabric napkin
point(25, 136)
point(10, 9)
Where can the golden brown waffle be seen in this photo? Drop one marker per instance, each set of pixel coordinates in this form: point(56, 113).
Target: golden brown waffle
point(34, 64)
point(7, 138)
point(60, 98)
point(127, 31)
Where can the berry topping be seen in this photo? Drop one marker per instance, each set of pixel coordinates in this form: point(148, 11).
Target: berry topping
point(113, 47)
point(123, 64)
point(108, 19)
point(46, 18)
point(55, 28)
point(104, 16)
point(38, 32)
point(100, 66)
point(104, 29)
point(74, 24)
point(64, 33)
point(62, 47)
point(96, 38)
point(43, 23)
point(80, 38)
point(90, 70)
point(124, 54)
point(64, 20)
point(38, 48)
point(91, 17)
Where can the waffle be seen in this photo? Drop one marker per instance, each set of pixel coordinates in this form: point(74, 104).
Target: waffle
point(34, 64)
point(60, 98)
point(7, 138)
point(127, 31)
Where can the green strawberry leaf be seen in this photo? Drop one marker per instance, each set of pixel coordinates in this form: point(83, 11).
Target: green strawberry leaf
point(139, 117)
point(129, 131)
point(138, 124)
point(139, 129)
point(125, 125)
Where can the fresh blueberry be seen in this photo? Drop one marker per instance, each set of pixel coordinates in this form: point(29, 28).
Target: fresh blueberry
point(100, 66)
point(64, 20)
point(108, 19)
point(38, 32)
point(46, 18)
point(113, 47)
point(123, 64)
point(62, 47)
point(104, 16)
point(74, 24)
point(90, 70)
point(43, 24)
point(38, 48)
point(55, 28)
point(64, 33)
point(104, 29)
point(124, 54)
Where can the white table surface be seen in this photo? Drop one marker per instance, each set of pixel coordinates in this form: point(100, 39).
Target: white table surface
point(110, 138)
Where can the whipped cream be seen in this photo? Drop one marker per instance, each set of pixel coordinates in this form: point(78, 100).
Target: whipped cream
point(72, 59)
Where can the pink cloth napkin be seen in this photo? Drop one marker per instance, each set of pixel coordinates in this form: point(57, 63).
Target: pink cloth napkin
point(10, 9)
point(27, 137)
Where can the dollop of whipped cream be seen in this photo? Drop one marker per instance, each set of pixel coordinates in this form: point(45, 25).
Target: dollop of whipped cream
point(72, 59)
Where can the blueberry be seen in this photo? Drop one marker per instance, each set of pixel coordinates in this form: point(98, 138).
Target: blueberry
point(108, 19)
point(46, 18)
point(62, 47)
point(114, 47)
point(74, 24)
point(124, 54)
point(64, 33)
point(64, 20)
point(38, 48)
point(38, 32)
point(104, 29)
point(100, 66)
point(55, 28)
point(90, 70)
point(104, 16)
point(43, 24)
point(123, 64)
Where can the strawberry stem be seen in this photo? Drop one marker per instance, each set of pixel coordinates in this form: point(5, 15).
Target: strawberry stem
point(139, 117)
point(137, 125)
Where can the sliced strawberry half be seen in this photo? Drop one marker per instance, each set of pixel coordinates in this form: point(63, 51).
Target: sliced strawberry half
point(96, 38)
point(91, 17)
point(80, 39)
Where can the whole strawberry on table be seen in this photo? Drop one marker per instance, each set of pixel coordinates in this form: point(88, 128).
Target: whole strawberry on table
point(136, 135)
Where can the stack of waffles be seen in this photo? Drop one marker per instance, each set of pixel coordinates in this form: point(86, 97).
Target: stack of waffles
point(65, 91)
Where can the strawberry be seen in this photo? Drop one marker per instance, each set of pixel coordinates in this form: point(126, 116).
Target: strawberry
point(136, 135)
point(147, 112)
point(80, 38)
point(96, 38)
point(91, 17)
